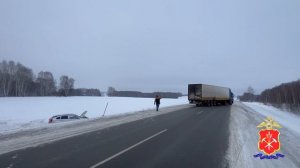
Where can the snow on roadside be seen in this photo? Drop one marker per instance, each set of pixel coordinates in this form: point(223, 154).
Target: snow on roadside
point(286, 119)
point(243, 138)
point(23, 113)
point(53, 132)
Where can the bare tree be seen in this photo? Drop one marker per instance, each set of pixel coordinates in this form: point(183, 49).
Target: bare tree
point(249, 95)
point(111, 91)
point(66, 84)
point(23, 78)
point(250, 90)
point(46, 83)
point(15, 79)
point(4, 78)
point(286, 93)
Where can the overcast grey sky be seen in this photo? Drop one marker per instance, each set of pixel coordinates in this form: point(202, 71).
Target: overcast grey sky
point(155, 45)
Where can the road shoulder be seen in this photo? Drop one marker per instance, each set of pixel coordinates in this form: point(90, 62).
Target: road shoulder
point(55, 132)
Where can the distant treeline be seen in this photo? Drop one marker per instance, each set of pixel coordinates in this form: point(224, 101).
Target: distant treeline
point(84, 92)
point(113, 92)
point(286, 93)
point(19, 80)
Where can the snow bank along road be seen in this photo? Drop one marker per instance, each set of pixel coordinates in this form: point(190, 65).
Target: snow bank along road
point(24, 113)
point(186, 137)
point(243, 137)
point(183, 136)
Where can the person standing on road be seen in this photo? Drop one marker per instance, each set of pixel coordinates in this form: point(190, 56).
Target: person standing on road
point(157, 102)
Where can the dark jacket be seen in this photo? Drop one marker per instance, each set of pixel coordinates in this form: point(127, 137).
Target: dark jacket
point(157, 100)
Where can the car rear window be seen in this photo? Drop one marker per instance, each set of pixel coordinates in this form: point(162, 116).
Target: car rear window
point(73, 117)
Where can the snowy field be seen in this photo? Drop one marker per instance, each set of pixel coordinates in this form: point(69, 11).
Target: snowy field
point(244, 136)
point(22, 113)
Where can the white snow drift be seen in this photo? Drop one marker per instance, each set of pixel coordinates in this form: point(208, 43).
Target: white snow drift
point(21, 113)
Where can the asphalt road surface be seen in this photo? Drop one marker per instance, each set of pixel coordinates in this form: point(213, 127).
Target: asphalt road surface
point(192, 137)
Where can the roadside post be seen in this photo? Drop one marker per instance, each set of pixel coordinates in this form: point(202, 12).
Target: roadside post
point(105, 110)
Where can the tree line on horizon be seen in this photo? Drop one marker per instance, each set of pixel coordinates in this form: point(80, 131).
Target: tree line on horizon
point(112, 92)
point(19, 80)
point(284, 94)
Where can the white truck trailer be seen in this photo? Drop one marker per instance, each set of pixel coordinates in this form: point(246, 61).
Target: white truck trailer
point(202, 94)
